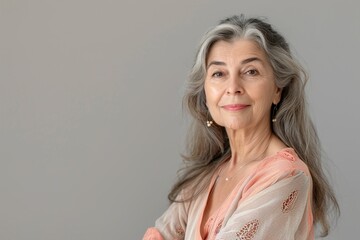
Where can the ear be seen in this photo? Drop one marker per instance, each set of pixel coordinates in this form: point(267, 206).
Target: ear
point(277, 96)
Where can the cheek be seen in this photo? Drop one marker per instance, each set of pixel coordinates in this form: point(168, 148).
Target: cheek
point(263, 98)
point(263, 107)
point(213, 92)
point(211, 96)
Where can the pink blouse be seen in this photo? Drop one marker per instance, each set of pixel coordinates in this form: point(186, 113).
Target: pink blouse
point(272, 202)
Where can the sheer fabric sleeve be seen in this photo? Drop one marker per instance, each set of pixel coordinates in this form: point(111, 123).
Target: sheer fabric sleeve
point(281, 211)
point(171, 225)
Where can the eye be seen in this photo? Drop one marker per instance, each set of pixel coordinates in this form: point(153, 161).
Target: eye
point(217, 74)
point(252, 72)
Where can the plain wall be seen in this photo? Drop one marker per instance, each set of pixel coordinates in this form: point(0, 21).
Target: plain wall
point(91, 125)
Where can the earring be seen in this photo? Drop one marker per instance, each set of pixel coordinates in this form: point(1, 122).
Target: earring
point(274, 113)
point(209, 123)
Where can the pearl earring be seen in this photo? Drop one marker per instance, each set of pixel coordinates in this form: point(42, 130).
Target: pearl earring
point(209, 123)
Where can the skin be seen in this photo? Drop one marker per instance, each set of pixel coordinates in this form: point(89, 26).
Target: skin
point(240, 90)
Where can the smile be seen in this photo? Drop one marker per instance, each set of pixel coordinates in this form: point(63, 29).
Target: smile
point(235, 107)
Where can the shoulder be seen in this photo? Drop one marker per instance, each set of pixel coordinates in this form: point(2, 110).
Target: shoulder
point(283, 165)
point(285, 161)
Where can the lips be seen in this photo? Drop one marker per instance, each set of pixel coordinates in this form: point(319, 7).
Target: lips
point(235, 107)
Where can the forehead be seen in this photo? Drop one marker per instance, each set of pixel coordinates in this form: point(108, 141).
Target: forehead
point(238, 49)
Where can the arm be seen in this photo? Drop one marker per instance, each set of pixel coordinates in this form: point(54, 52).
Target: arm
point(171, 225)
point(280, 211)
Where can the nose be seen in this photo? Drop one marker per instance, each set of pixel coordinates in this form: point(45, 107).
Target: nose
point(234, 86)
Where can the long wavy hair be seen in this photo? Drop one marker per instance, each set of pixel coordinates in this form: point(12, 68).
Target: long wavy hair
point(208, 147)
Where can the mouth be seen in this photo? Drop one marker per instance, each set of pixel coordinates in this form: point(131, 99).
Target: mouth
point(235, 107)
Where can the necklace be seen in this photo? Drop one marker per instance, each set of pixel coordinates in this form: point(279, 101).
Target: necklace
point(260, 156)
point(227, 179)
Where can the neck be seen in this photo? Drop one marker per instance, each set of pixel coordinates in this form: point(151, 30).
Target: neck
point(248, 146)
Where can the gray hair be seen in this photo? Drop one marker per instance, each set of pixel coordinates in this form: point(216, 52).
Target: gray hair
point(207, 147)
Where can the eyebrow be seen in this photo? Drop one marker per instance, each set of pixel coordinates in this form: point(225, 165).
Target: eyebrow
point(245, 61)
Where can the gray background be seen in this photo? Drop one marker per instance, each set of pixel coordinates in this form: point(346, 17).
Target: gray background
point(90, 105)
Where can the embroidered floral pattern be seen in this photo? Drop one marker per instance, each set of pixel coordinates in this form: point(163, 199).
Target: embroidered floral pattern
point(287, 154)
point(248, 231)
point(288, 203)
point(218, 227)
point(179, 231)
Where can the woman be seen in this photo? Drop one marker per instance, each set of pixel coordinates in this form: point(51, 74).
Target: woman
point(253, 167)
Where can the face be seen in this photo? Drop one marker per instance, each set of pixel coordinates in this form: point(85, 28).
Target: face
point(239, 85)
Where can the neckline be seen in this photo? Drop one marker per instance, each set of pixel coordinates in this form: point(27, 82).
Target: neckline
point(214, 178)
